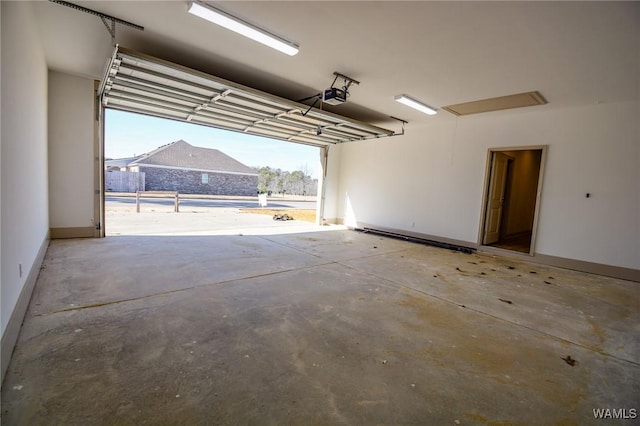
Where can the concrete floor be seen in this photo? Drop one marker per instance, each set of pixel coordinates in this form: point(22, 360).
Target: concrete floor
point(314, 328)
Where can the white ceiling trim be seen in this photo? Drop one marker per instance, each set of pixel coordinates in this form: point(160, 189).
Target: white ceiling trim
point(140, 83)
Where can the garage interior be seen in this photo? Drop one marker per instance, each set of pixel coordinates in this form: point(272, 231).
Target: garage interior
point(353, 324)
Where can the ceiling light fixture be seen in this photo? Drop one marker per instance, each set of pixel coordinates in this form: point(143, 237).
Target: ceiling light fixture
point(404, 99)
point(212, 14)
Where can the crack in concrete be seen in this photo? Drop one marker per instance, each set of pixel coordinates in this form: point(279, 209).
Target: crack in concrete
point(164, 293)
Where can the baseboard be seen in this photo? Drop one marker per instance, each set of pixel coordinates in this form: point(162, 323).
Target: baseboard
point(82, 232)
point(590, 267)
point(10, 335)
point(543, 259)
point(566, 263)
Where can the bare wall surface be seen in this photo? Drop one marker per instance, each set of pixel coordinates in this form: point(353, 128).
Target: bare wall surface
point(71, 117)
point(431, 180)
point(24, 153)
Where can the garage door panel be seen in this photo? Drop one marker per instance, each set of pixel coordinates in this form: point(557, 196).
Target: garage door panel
point(134, 83)
point(210, 112)
point(237, 111)
point(241, 101)
point(146, 101)
point(220, 117)
point(218, 123)
point(146, 96)
point(140, 83)
point(247, 110)
point(146, 110)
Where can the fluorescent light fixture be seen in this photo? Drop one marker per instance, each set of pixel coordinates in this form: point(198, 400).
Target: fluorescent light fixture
point(404, 99)
point(212, 14)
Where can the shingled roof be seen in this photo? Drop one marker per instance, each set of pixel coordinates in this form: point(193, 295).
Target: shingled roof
point(183, 155)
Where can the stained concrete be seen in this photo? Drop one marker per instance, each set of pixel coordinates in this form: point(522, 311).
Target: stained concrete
point(333, 327)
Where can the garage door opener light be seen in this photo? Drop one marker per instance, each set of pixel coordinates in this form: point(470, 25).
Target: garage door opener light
point(218, 17)
point(404, 99)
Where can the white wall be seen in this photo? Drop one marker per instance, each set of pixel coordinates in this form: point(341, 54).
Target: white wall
point(431, 180)
point(24, 209)
point(71, 156)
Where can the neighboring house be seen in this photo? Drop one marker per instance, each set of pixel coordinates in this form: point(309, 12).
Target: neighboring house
point(122, 181)
point(189, 169)
point(118, 163)
point(117, 179)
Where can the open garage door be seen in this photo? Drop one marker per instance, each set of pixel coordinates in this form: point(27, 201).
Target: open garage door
point(140, 83)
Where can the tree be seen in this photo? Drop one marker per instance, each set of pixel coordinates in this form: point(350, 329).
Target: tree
point(298, 182)
point(306, 178)
point(283, 182)
point(266, 176)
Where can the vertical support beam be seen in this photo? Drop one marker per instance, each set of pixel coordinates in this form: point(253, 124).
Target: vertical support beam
point(98, 164)
point(176, 204)
point(324, 160)
point(137, 201)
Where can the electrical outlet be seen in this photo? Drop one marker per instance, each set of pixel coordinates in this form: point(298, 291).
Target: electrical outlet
point(20, 269)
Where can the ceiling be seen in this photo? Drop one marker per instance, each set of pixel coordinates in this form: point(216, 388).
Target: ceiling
point(441, 53)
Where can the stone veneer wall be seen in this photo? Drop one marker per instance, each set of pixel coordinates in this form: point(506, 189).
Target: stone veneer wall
point(190, 182)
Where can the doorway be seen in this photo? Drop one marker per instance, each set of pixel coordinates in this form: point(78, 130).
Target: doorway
point(512, 197)
point(168, 177)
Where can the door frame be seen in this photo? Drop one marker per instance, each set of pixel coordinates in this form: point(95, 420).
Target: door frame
point(98, 162)
point(485, 194)
point(99, 171)
point(100, 159)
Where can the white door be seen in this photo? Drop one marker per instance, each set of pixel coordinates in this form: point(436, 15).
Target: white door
point(495, 199)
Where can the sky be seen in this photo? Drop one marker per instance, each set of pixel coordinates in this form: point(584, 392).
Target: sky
point(128, 135)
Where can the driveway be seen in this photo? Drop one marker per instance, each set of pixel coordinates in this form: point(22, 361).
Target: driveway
point(208, 216)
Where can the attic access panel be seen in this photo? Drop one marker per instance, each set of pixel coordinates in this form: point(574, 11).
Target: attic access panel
point(136, 82)
point(518, 100)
